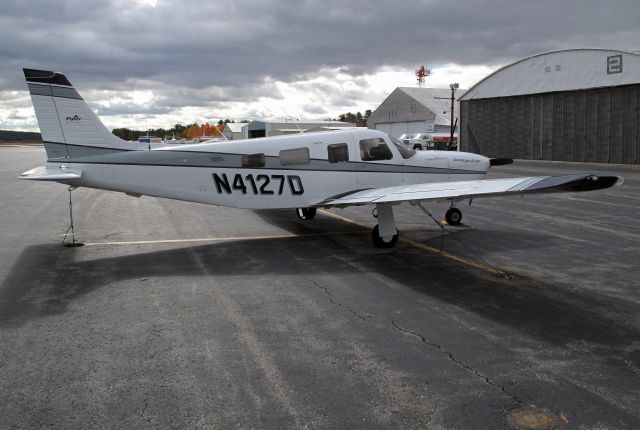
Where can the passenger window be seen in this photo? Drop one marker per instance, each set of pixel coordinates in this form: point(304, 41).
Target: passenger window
point(252, 160)
point(294, 156)
point(338, 152)
point(374, 149)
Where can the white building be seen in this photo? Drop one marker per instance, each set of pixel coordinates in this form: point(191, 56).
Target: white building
point(414, 110)
point(233, 130)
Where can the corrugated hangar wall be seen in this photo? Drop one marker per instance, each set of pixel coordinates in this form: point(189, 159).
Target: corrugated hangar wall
point(595, 125)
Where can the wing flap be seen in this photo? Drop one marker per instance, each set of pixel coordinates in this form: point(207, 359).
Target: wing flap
point(58, 174)
point(462, 190)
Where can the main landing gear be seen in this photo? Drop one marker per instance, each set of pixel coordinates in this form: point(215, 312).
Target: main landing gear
point(383, 242)
point(453, 216)
point(385, 234)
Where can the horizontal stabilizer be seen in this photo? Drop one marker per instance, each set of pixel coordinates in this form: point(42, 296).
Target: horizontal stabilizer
point(57, 174)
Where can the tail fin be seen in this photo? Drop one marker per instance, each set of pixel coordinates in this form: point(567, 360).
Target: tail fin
point(68, 125)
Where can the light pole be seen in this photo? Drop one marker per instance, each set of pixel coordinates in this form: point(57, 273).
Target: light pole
point(453, 87)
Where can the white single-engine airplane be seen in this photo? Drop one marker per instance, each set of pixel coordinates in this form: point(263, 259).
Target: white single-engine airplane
point(302, 171)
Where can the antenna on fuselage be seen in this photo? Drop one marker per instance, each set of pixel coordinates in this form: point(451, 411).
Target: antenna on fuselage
point(286, 115)
point(221, 133)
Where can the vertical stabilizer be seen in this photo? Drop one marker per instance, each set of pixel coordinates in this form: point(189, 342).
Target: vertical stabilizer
point(66, 121)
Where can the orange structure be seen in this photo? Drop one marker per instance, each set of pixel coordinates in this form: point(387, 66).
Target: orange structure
point(422, 73)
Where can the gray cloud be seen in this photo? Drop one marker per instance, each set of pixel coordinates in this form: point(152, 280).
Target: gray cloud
point(205, 53)
point(314, 110)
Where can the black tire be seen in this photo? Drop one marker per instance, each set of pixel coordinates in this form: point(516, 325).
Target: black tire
point(379, 242)
point(417, 146)
point(453, 216)
point(306, 213)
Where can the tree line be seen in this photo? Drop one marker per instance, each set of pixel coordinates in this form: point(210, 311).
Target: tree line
point(15, 136)
point(189, 131)
point(357, 118)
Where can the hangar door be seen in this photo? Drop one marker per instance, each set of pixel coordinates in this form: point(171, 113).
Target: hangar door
point(396, 129)
point(385, 127)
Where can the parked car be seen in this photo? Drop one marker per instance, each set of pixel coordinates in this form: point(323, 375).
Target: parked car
point(406, 138)
point(421, 141)
point(437, 141)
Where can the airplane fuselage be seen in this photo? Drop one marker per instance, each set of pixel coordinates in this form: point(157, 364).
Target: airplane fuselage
point(277, 172)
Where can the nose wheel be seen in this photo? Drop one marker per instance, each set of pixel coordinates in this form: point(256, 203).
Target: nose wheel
point(453, 216)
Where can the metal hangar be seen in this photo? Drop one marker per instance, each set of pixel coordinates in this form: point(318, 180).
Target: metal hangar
point(572, 105)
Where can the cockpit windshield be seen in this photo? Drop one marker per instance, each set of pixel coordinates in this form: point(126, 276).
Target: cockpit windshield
point(405, 150)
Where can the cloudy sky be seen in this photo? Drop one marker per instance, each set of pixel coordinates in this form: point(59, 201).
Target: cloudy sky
point(153, 63)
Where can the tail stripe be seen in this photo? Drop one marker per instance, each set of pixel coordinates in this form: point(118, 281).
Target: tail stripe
point(47, 90)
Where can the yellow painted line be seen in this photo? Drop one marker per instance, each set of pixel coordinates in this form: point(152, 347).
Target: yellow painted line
point(217, 239)
point(422, 246)
point(453, 257)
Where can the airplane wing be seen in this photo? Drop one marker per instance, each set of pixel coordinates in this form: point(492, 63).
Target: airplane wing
point(57, 174)
point(461, 190)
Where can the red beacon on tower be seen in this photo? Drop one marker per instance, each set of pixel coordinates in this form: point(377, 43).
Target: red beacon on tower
point(422, 73)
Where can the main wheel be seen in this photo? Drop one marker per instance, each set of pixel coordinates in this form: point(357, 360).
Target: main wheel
point(380, 242)
point(453, 216)
point(306, 213)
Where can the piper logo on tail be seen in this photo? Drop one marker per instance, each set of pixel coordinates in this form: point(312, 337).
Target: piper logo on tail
point(73, 118)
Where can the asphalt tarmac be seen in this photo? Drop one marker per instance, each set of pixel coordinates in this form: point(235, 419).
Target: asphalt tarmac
point(179, 315)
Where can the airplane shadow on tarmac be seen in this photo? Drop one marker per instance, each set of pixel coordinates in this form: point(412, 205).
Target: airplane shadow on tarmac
point(487, 240)
point(46, 278)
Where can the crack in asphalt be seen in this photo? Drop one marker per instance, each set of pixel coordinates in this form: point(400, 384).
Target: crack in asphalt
point(332, 299)
point(452, 358)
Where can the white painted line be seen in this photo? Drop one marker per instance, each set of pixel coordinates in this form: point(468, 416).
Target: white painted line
point(219, 239)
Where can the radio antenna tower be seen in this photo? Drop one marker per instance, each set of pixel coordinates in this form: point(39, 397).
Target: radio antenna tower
point(422, 73)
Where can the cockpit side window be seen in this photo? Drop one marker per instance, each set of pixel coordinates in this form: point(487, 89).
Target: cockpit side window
point(374, 149)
